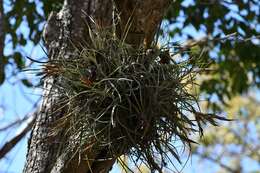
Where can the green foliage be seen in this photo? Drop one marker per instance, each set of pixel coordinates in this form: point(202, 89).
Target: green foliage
point(238, 140)
point(235, 59)
point(24, 14)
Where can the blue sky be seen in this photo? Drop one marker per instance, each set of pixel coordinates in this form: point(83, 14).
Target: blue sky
point(15, 102)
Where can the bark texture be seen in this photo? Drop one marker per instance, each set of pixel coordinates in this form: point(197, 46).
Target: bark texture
point(139, 20)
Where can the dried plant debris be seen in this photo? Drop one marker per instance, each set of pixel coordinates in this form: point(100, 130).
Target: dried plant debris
point(120, 100)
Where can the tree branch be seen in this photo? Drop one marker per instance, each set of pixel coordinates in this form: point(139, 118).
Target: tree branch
point(16, 122)
point(8, 146)
point(215, 161)
point(140, 19)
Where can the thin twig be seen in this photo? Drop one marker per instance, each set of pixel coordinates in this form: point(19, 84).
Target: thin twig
point(16, 122)
point(8, 146)
point(215, 161)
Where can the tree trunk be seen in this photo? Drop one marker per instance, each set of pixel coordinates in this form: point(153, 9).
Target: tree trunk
point(69, 26)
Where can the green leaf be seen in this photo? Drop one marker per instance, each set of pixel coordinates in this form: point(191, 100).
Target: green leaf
point(2, 70)
point(19, 60)
point(2, 76)
point(27, 83)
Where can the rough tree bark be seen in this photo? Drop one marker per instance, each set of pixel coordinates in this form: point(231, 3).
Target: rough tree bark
point(69, 25)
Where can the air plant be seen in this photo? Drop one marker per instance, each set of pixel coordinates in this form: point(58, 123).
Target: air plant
point(123, 100)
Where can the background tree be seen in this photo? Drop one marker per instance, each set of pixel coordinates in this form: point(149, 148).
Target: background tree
point(233, 61)
point(239, 142)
